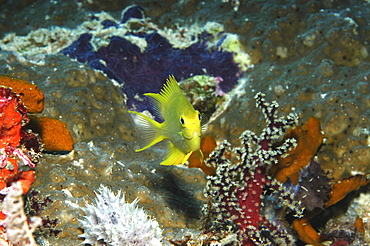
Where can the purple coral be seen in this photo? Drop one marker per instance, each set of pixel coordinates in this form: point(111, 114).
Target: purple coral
point(142, 71)
point(238, 191)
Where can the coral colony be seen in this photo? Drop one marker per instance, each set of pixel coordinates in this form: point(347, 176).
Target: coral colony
point(113, 221)
point(239, 190)
point(141, 70)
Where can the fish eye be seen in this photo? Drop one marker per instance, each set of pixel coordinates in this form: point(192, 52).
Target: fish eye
point(182, 121)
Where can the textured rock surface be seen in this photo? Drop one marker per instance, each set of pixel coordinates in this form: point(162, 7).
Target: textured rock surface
point(308, 55)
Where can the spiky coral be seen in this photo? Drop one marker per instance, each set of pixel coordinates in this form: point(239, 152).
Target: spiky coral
point(113, 221)
point(238, 190)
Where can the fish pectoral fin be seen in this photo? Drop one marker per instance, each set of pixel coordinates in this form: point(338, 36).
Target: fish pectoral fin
point(150, 130)
point(174, 155)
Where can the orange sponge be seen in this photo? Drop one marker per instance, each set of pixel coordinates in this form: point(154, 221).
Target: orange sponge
point(207, 145)
point(31, 95)
point(54, 134)
point(309, 139)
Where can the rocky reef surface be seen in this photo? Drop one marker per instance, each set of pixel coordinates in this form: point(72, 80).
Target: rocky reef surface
point(310, 56)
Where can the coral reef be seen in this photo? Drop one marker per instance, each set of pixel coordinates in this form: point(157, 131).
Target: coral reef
point(204, 93)
point(20, 150)
point(344, 231)
point(316, 186)
point(143, 69)
point(237, 191)
point(360, 208)
point(113, 221)
point(311, 56)
point(328, 196)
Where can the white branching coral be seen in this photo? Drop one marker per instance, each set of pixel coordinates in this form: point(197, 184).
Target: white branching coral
point(113, 221)
point(18, 229)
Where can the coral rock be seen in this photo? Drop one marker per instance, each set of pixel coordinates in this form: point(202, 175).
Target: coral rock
point(31, 95)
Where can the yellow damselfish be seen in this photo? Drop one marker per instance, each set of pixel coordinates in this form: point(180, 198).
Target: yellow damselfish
point(181, 125)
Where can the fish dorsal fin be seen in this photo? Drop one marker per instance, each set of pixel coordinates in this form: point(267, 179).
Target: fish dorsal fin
point(170, 88)
point(164, 97)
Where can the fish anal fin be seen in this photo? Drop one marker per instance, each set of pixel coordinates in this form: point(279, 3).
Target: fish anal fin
point(150, 130)
point(174, 155)
point(187, 157)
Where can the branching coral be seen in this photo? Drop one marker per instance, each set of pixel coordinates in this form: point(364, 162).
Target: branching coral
point(238, 190)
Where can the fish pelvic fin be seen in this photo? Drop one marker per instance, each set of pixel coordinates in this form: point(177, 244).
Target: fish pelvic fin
point(174, 156)
point(200, 155)
point(150, 129)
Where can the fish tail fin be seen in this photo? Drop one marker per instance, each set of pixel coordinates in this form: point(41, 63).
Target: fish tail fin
point(174, 155)
point(151, 130)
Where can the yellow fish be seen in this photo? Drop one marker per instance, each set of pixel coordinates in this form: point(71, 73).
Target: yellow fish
point(181, 125)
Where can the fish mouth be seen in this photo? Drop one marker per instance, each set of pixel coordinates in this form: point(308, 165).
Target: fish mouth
point(190, 136)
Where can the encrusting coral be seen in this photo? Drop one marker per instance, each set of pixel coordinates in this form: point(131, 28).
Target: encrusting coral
point(111, 220)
